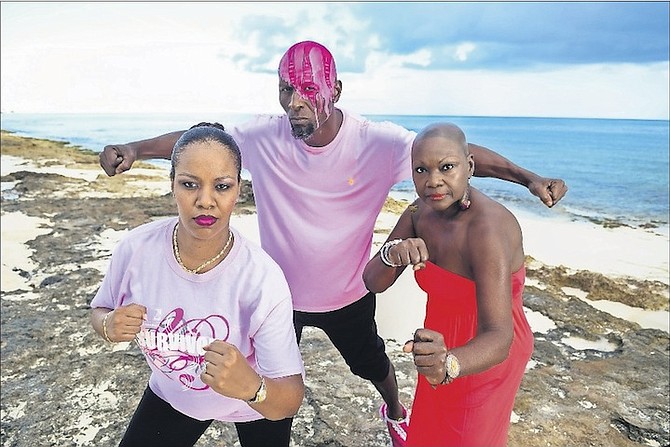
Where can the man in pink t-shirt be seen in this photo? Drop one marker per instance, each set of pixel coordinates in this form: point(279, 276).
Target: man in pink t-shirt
point(320, 177)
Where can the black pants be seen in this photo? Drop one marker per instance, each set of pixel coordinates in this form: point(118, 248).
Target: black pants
point(353, 331)
point(156, 423)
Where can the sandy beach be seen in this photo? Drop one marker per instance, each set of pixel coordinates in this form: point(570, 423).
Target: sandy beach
point(618, 275)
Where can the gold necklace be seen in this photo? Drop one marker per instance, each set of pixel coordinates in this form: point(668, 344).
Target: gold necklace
point(175, 248)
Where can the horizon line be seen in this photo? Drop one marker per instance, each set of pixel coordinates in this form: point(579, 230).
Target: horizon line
point(358, 113)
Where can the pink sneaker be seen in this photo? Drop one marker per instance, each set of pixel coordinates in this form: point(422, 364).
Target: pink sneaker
point(397, 429)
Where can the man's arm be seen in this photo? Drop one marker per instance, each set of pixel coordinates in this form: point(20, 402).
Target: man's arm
point(492, 164)
point(117, 158)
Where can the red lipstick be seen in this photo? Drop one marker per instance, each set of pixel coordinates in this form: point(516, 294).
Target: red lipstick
point(205, 221)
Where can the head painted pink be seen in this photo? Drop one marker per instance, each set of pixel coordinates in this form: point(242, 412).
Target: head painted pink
point(310, 69)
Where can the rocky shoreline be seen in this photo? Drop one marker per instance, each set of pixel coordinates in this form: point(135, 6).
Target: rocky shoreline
point(62, 385)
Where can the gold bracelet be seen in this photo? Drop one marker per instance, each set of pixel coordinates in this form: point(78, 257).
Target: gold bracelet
point(104, 328)
point(261, 393)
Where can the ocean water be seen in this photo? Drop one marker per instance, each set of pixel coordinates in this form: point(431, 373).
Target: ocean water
point(616, 170)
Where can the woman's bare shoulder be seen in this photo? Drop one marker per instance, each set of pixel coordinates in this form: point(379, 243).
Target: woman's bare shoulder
point(494, 216)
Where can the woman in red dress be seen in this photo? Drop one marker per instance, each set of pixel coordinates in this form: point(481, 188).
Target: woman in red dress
point(467, 253)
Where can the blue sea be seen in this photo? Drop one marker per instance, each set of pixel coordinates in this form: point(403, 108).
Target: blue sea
point(616, 170)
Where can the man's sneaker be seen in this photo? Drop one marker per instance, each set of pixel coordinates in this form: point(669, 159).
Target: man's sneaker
point(397, 429)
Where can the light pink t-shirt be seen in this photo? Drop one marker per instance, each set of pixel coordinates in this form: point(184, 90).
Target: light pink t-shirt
point(244, 300)
point(317, 207)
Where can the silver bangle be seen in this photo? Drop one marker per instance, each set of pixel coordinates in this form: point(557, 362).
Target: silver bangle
point(384, 253)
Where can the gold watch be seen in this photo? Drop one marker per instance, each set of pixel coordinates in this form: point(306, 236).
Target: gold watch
point(453, 366)
point(261, 394)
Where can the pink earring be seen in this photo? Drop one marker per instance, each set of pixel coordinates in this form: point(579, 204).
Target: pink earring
point(465, 203)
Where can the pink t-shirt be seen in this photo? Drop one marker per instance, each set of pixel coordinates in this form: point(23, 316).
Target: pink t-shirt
point(244, 300)
point(317, 207)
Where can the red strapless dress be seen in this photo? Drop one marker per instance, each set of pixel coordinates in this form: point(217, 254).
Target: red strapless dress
point(473, 410)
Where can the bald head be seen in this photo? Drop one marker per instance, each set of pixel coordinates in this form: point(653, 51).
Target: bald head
point(447, 131)
point(310, 69)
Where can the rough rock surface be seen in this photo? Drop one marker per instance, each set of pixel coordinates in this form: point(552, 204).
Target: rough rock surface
point(62, 385)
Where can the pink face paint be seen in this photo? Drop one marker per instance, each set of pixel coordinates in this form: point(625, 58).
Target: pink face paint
point(310, 69)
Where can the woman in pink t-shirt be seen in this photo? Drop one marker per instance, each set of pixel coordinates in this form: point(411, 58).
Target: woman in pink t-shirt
point(209, 309)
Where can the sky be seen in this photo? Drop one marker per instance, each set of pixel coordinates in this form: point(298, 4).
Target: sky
point(563, 59)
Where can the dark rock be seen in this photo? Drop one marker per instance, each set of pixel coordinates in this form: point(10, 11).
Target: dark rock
point(52, 280)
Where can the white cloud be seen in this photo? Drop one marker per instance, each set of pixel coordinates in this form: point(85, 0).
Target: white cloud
point(176, 57)
point(604, 91)
point(464, 50)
